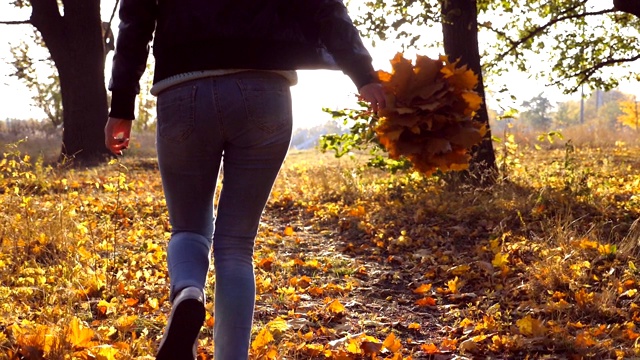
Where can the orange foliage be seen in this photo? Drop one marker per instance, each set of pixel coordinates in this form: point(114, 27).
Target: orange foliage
point(429, 113)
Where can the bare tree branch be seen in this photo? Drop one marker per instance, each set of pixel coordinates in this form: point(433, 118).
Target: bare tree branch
point(586, 73)
point(108, 38)
point(552, 22)
point(113, 13)
point(504, 35)
point(16, 22)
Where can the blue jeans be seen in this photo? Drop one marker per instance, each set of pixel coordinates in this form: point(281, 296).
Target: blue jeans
point(242, 121)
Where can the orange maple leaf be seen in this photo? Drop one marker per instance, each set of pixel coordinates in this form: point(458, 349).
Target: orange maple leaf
point(429, 348)
point(422, 289)
point(336, 307)
point(288, 231)
point(426, 301)
point(391, 343)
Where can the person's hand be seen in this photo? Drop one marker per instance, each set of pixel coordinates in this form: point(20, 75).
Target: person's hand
point(116, 135)
point(373, 93)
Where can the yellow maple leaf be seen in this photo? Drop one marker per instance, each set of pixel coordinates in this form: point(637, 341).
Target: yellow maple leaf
point(500, 259)
point(39, 338)
point(79, 335)
point(479, 338)
point(124, 322)
point(459, 270)
point(314, 349)
point(84, 253)
point(530, 326)
point(607, 249)
point(104, 352)
point(270, 354)
point(313, 263)
point(586, 244)
point(454, 285)
point(263, 338)
point(353, 346)
point(278, 325)
point(629, 293)
point(153, 303)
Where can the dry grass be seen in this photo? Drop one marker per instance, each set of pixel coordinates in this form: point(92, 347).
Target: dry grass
point(542, 264)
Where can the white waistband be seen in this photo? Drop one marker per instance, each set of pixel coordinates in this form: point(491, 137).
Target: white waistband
point(161, 85)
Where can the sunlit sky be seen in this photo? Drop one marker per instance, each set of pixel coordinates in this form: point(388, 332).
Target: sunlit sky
point(316, 89)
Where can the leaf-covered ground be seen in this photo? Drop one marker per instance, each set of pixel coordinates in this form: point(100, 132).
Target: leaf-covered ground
point(351, 263)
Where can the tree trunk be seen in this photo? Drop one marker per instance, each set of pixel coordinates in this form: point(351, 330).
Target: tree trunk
point(628, 6)
point(460, 31)
point(76, 45)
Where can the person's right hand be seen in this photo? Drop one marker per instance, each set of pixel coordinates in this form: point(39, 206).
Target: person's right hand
point(116, 135)
point(373, 93)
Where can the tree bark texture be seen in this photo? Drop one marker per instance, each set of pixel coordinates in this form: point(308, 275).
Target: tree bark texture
point(460, 33)
point(76, 45)
point(628, 6)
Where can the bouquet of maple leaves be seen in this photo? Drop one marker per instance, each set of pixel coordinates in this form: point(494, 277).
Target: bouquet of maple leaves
point(429, 113)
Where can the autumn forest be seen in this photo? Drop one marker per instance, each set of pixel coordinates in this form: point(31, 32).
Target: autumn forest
point(435, 228)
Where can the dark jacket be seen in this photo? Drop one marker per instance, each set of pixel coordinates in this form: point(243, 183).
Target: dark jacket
point(192, 35)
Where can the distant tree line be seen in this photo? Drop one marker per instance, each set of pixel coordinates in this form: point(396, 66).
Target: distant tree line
point(12, 130)
point(308, 138)
point(613, 110)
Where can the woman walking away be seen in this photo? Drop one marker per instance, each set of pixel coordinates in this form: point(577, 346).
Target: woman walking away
point(223, 70)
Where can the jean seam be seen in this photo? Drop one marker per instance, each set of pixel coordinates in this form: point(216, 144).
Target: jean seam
point(216, 104)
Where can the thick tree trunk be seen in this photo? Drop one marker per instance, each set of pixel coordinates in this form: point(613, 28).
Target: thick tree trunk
point(628, 6)
point(460, 30)
point(84, 101)
point(76, 45)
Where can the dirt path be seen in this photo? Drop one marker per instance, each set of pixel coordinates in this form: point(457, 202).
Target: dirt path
point(375, 288)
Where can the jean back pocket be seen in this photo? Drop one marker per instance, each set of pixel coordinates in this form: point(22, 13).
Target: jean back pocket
point(176, 113)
